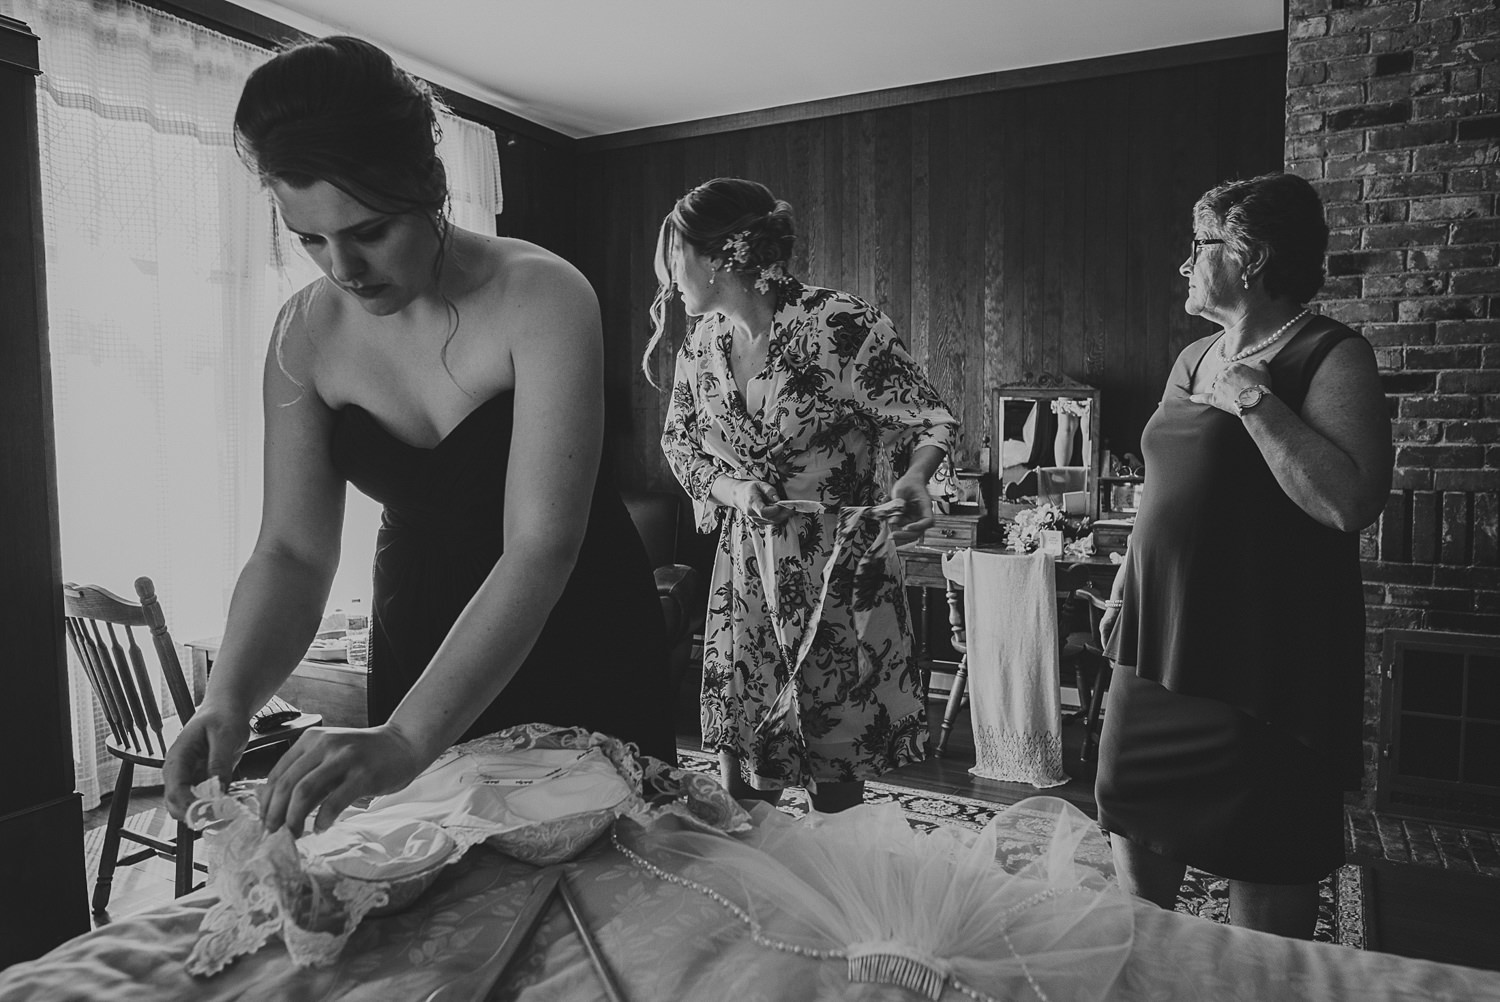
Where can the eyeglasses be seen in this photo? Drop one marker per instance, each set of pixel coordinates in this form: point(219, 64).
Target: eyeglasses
point(1199, 242)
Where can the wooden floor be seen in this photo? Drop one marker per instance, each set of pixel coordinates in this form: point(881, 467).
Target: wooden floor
point(1416, 911)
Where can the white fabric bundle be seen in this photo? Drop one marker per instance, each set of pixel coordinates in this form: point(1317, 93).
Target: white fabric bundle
point(538, 793)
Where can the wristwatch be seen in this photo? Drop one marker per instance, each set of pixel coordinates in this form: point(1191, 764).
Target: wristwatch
point(1249, 397)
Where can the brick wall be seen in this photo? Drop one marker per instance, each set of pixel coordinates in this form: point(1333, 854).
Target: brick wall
point(1393, 111)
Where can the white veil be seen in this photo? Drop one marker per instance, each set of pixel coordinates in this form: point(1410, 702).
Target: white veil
point(1027, 908)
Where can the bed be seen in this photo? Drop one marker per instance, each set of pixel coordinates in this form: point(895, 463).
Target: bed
point(664, 935)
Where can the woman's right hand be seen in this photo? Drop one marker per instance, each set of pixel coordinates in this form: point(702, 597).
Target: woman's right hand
point(756, 500)
point(209, 744)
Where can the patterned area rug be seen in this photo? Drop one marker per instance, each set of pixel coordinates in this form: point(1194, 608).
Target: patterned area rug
point(1341, 910)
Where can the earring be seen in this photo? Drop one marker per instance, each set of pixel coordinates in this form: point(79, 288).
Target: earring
point(1247, 280)
point(713, 276)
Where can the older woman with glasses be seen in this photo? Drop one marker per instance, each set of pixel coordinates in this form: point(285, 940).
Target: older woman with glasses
point(1237, 620)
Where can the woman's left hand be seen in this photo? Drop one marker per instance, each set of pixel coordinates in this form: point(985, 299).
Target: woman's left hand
point(1226, 389)
point(916, 517)
point(329, 768)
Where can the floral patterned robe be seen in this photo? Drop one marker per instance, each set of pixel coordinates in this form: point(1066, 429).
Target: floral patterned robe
point(838, 389)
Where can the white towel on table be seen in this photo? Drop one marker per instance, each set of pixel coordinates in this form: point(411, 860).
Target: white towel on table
point(1010, 620)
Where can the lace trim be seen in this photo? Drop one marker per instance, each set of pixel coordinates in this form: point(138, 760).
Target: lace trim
point(266, 889)
point(1033, 757)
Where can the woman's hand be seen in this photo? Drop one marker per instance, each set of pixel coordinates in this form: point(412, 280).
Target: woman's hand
point(1237, 376)
point(1107, 623)
point(331, 767)
point(756, 500)
point(209, 744)
point(916, 517)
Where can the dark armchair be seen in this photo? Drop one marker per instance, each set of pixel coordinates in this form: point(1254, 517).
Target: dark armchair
point(662, 519)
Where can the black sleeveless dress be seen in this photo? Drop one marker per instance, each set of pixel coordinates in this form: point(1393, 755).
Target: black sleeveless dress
point(1234, 713)
point(600, 661)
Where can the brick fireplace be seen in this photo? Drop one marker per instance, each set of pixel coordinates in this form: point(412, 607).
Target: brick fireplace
point(1393, 112)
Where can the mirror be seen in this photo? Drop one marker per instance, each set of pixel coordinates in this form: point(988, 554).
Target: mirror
point(1046, 446)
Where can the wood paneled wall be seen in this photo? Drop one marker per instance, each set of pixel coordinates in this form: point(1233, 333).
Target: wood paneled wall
point(1023, 231)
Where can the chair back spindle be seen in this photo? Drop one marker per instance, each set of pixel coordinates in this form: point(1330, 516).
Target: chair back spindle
point(166, 651)
point(148, 695)
point(135, 695)
point(83, 648)
point(112, 680)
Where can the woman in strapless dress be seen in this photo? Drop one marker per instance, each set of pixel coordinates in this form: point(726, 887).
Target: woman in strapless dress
point(457, 379)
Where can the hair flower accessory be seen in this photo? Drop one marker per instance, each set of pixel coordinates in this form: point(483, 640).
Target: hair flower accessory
point(737, 249)
point(771, 273)
point(738, 255)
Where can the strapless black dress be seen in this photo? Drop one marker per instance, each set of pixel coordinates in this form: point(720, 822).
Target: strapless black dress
point(600, 661)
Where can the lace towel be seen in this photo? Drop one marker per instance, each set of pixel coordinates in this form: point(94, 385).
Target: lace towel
point(1010, 616)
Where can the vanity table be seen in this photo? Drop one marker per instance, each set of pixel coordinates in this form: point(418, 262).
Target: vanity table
point(1046, 448)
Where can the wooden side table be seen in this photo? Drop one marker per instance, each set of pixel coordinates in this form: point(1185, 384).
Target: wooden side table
point(334, 689)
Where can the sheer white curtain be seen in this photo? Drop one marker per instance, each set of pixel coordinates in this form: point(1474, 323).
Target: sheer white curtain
point(161, 291)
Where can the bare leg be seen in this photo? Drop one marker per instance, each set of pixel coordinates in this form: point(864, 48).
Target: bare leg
point(729, 773)
point(834, 797)
point(1062, 443)
point(1283, 909)
point(1147, 874)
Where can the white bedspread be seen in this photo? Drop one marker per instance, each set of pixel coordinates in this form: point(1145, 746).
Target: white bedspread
point(651, 932)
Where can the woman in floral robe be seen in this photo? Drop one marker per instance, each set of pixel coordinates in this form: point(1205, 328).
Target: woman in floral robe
point(785, 398)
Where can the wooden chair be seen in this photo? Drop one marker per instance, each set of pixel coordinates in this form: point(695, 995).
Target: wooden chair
point(101, 628)
point(661, 518)
point(1083, 650)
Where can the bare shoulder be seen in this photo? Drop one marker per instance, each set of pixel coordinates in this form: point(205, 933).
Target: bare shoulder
point(535, 289)
point(306, 332)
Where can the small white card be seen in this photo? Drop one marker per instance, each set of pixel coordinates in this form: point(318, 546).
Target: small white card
point(1052, 542)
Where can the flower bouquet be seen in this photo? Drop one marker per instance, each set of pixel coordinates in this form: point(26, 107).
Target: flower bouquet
point(1024, 533)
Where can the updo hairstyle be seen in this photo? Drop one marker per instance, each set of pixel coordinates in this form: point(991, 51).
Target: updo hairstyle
point(734, 221)
point(340, 110)
point(1280, 214)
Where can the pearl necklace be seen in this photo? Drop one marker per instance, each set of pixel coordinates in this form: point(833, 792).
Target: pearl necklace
point(1247, 352)
point(1259, 345)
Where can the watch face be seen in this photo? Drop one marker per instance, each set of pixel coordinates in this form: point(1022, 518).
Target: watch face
point(1249, 396)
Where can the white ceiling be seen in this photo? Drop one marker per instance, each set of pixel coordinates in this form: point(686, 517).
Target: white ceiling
point(594, 67)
